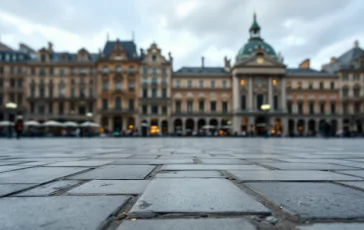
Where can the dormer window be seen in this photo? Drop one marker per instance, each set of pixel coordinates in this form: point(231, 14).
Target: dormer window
point(154, 58)
point(83, 58)
point(7, 57)
point(43, 58)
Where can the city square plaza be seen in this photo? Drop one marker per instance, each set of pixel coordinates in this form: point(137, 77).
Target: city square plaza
point(182, 183)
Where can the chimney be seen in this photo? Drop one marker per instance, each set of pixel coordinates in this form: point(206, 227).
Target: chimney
point(305, 64)
point(227, 63)
point(50, 47)
point(141, 51)
point(356, 44)
point(333, 59)
point(203, 62)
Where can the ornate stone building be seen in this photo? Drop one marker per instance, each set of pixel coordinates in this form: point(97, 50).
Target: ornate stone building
point(155, 91)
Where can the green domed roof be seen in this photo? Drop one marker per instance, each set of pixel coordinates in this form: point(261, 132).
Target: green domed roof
point(255, 42)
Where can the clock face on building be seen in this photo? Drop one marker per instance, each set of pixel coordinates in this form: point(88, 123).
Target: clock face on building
point(260, 60)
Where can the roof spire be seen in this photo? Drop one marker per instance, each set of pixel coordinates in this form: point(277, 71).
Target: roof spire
point(255, 28)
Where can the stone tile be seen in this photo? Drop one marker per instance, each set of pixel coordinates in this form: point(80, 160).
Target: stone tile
point(357, 173)
point(58, 212)
point(194, 195)
point(278, 175)
point(49, 189)
point(178, 167)
point(359, 165)
point(313, 200)
point(117, 172)
point(224, 161)
point(264, 160)
point(305, 166)
point(112, 156)
point(153, 161)
point(111, 187)
point(4, 162)
point(37, 175)
point(7, 168)
point(187, 174)
point(85, 163)
point(333, 226)
point(35, 163)
point(359, 184)
point(6, 189)
point(191, 224)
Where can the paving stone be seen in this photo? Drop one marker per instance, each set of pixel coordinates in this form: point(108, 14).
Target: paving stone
point(49, 189)
point(111, 187)
point(37, 175)
point(191, 174)
point(177, 167)
point(116, 156)
point(7, 168)
point(359, 184)
point(58, 212)
point(85, 163)
point(357, 173)
point(6, 189)
point(153, 161)
point(224, 161)
point(191, 224)
point(305, 166)
point(278, 175)
point(192, 195)
point(263, 160)
point(313, 200)
point(117, 172)
point(3, 162)
point(35, 163)
point(333, 226)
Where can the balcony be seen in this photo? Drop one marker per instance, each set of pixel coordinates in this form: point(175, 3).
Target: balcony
point(260, 112)
point(117, 111)
point(201, 113)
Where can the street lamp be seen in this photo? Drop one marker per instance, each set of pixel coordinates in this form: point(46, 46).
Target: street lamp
point(265, 108)
point(10, 106)
point(89, 116)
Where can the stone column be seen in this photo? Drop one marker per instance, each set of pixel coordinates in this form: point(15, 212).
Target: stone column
point(270, 93)
point(236, 94)
point(183, 126)
point(306, 126)
point(236, 124)
point(284, 121)
point(110, 124)
point(283, 94)
point(251, 124)
point(124, 123)
point(250, 93)
point(339, 124)
point(170, 125)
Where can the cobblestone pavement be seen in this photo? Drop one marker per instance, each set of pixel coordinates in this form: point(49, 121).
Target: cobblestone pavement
point(182, 183)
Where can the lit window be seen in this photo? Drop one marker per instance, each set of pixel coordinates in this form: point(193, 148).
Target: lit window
point(299, 85)
point(288, 85)
point(274, 82)
point(242, 82)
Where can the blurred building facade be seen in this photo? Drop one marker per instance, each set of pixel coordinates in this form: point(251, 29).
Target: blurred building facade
point(126, 90)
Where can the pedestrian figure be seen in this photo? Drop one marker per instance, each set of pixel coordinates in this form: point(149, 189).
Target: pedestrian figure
point(19, 128)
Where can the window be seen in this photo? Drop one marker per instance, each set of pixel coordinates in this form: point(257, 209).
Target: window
point(154, 109)
point(164, 71)
point(243, 103)
point(20, 70)
point(73, 72)
point(131, 86)
point(189, 84)
point(164, 109)
point(81, 109)
point(43, 58)
point(154, 58)
point(310, 85)
point(118, 69)
point(91, 92)
point(105, 104)
point(62, 72)
point(41, 109)
point(189, 106)
point(345, 108)
point(72, 92)
point(42, 72)
point(321, 85)
point(312, 107)
point(212, 106)
point(118, 103)
point(145, 93)
point(2, 69)
point(60, 108)
point(164, 80)
point(32, 107)
point(275, 102)
point(12, 70)
point(92, 71)
point(345, 77)
point(83, 58)
point(288, 85)
point(178, 106)
point(131, 104)
point(289, 107)
point(164, 92)
point(154, 81)
point(178, 84)
point(201, 106)
point(144, 109)
point(345, 92)
point(332, 85)
point(154, 92)
point(50, 91)
point(20, 83)
point(299, 85)
point(62, 90)
point(154, 70)
point(362, 64)
point(333, 108)
point(131, 69)
point(200, 84)
point(212, 84)
point(242, 82)
point(118, 85)
point(356, 77)
point(50, 108)
point(145, 70)
point(300, 108)
point(20, 99)
point(322, 107)
point(259, 101)
point(224, 84)
point(105, 70)
point(274, 82)
point(356, 91)
point(82, 92)
point(83, 71)
point(72, 106)
point(357, 107)
point(12, 83)
point(144, 81)
point(224, 107)
point(258, 80)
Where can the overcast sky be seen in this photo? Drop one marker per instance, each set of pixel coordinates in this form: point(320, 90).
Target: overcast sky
point(299, 29)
